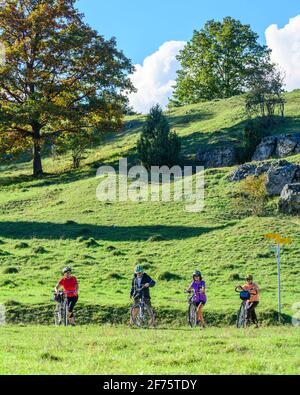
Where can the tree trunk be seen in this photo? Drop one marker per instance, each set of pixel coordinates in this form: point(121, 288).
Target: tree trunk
point(76, 162)
point(37, 160)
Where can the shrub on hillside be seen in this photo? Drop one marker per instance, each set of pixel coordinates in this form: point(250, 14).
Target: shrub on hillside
point(9, 283)
point(117, 253)
point(147, 266)
point(10, 270)
point(91, 243)
point(158, 146)
point(141, 260)
point(167, 276)
point(21, 245)
point(115, 276)
point(234, 277)
point(39, 250)
point(111, 248)
point(252, 195)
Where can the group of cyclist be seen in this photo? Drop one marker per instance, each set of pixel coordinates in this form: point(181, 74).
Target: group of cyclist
point(141, 284)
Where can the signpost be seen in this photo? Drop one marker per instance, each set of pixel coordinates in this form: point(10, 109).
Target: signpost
point(278, 241)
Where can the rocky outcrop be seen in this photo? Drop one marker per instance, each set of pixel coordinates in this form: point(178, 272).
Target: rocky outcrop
point(279, 174)
point(266, 149)
point(242, 172)
point(249, 169)
point(297, 174)
point(217, 157)
point(289, 202)
point(280, 146)
point(286, 145)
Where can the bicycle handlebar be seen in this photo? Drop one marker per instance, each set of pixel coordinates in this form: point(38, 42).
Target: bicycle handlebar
point(66, 292)
point(140, 289)
point(239, 288)
point(189, 292)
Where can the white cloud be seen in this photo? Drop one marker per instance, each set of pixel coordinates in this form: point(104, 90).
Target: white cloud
point(155, 78)
point(285, 44)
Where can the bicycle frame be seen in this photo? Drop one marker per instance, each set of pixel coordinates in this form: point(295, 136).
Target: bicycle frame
point(192, 315)
point(242, 313)
point(141, 297)
point(142, 308)
point(61, 311)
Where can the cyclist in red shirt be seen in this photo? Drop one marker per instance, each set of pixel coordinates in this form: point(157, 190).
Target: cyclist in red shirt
point(69, 284)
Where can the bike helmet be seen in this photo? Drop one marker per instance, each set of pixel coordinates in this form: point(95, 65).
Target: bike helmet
point(138, 269)
point(197, 274)
point(66, 270)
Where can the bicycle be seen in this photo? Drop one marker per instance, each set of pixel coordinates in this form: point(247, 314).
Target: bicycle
point(245, 295)
point(192, 310)
point(145, 316)
point(61, 312)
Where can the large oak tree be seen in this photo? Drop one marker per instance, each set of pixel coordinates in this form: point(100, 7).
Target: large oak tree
point(60, 75)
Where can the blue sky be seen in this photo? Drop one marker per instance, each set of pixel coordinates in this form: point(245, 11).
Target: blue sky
point(141, 26)
point(151, 33)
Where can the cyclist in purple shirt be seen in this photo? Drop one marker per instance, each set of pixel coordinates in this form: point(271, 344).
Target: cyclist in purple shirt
point(199, 299)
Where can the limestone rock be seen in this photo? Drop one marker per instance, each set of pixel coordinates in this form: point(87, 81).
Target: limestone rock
point(286, 144)
point(289, 202)
point(279, 174)
point(266, 149)
point(217, 157)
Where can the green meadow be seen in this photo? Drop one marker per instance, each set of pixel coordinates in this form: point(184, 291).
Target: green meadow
point(119, 350)
point(48, 223)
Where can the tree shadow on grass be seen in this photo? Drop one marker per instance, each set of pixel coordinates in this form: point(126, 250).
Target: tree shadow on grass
point(233, 135)
point(55, 231)
point(194, 142)
point(68, 176)
point(188, 118)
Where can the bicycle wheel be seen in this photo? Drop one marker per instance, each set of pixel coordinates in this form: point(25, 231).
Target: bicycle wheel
point(242, 316)
point(142, 315)
point(192, 315)
point(66, 313)
point(57, 315)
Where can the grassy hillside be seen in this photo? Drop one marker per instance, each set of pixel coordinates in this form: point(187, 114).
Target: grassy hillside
point(105, 351)
point(56, 221)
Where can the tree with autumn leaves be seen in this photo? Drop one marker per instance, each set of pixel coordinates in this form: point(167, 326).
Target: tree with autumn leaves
point(61, 79)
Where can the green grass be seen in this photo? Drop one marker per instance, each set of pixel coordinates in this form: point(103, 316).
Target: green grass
point(104, 350)
point(49, 223)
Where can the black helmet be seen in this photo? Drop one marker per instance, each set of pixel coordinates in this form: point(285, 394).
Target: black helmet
point(66, 270)
point(197, 274)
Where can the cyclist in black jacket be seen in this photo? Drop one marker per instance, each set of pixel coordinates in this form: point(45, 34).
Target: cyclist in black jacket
point(141, 280)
